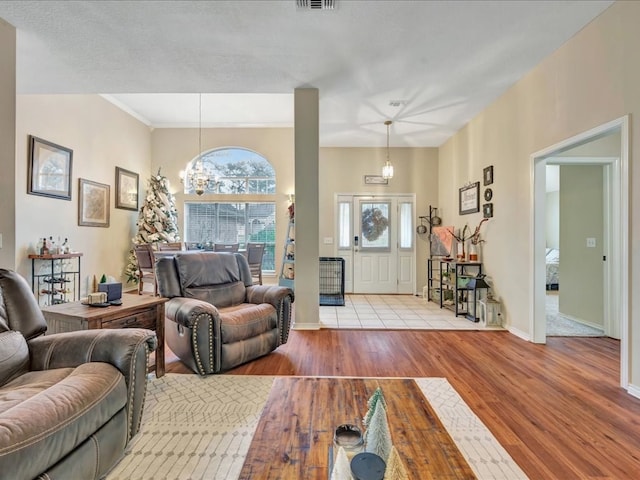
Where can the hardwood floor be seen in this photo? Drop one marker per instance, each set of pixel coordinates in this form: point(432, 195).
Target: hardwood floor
point(557, 408)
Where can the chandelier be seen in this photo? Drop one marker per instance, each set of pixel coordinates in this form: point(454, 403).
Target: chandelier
point(197, 178)
point(387, 169)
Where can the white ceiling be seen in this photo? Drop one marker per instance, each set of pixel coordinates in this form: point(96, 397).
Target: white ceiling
point(444, 60)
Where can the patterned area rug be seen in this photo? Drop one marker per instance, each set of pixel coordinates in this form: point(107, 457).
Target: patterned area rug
point(201, 428)
point(195, 428)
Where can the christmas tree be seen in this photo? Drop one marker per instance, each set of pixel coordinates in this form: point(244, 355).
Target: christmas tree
point(372, 403)
point(378, 435)
point(157, 220)
point(395, 467)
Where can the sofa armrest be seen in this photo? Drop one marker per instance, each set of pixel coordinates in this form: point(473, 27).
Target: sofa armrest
point(185, 311)
point(126, 349)
point(281, 298)
point(203, 321)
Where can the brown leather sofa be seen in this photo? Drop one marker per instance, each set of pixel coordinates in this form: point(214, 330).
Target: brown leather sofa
point(69, 402)
point(216, 318)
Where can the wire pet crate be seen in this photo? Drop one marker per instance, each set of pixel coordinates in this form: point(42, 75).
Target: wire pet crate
point(332, 281)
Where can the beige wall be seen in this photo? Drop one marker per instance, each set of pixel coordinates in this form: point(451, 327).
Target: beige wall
point(7, 140)
point(581, 269)
point(342, 170)
point(173, 148)
point(589, 81)
point(101, 137)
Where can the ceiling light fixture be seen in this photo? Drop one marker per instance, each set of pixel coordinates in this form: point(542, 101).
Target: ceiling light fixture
point(387, 169)
point(197, 178)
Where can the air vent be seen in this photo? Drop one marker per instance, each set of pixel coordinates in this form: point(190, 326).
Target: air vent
point(316, 4)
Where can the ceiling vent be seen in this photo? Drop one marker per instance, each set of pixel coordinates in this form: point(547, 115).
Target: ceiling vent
point(316, 4)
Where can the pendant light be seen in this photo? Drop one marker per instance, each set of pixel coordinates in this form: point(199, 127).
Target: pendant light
point(387, 169)
point(197, 178)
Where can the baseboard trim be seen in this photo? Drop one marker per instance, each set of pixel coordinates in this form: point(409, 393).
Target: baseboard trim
point(306, 326)
point(519, 333)
point(634, 391)
point(582, 322)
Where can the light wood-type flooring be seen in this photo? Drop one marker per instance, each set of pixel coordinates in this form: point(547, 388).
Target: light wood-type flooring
point(556, 408)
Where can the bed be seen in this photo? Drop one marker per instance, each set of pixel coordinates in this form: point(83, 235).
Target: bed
point(553, 264)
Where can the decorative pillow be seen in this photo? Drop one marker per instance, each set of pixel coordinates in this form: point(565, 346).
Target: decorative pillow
point(14, 355)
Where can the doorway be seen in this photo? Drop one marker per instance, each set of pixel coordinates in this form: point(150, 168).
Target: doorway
point(616, 277)
point(377, 240)
point(577, 200)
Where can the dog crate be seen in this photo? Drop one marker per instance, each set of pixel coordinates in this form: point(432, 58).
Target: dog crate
point(332, 281)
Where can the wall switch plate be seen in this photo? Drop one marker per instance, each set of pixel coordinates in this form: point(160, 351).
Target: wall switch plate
point(328, 240)
point(591, 242)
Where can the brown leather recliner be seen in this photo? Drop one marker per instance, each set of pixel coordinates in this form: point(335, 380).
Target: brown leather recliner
point(69, 402)
point(216, 318)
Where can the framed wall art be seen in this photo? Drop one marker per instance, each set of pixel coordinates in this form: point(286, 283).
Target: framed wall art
point(126, 189)
point(93, 204)
point(487, 175)
point(487, 210)
point(49, 169)
point(375, 180)
point(469, 197)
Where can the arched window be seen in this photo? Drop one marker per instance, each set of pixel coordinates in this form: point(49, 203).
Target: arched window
point(235, 170)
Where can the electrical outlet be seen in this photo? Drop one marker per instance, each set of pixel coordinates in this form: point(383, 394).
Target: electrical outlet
point(328, 240)
point(591, 242)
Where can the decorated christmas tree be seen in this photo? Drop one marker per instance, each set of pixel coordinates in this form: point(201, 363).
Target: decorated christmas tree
point(157, 220)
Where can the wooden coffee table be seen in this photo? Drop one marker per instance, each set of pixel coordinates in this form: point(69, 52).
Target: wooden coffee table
point(136, 311)
point(295, 432)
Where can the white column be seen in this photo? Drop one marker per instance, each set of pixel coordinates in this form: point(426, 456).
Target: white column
point(307, 270)
point(8, 180)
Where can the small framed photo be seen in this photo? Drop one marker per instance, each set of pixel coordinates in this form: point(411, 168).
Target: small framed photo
point(487, 175)
point(487, 210)
point(49, 169)
point(375, 180)
point(93, 204)
point(470, 199)
point(126, 189)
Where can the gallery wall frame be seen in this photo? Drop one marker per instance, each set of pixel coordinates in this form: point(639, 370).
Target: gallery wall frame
point(127, 189)
point(49, 169)
point(487, 175)
point(469, 199)
point(375, 180)
point(93, 203)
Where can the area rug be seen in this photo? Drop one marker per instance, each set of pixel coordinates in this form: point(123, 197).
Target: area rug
point(201, 428)
point(560, 326)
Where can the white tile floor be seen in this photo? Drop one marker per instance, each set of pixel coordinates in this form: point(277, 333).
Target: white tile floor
point(393, 312)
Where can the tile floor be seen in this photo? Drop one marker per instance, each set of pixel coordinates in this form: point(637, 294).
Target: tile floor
point(393, 312)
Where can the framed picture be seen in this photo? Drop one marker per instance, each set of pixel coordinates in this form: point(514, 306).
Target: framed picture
point(470, 199)
point(49, 172)
point(487, 210)
point(126, 189)
point(487, 175)
point(375, 180)
point(93, 206)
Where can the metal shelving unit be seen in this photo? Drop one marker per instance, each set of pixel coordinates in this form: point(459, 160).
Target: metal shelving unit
point(453, 280)
point(287, 271)
point(55, 278)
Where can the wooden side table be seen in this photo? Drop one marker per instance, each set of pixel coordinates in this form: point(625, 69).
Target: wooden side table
point(136, 311)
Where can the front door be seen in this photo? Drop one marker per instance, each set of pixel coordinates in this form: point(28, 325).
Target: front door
point(383, 245)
